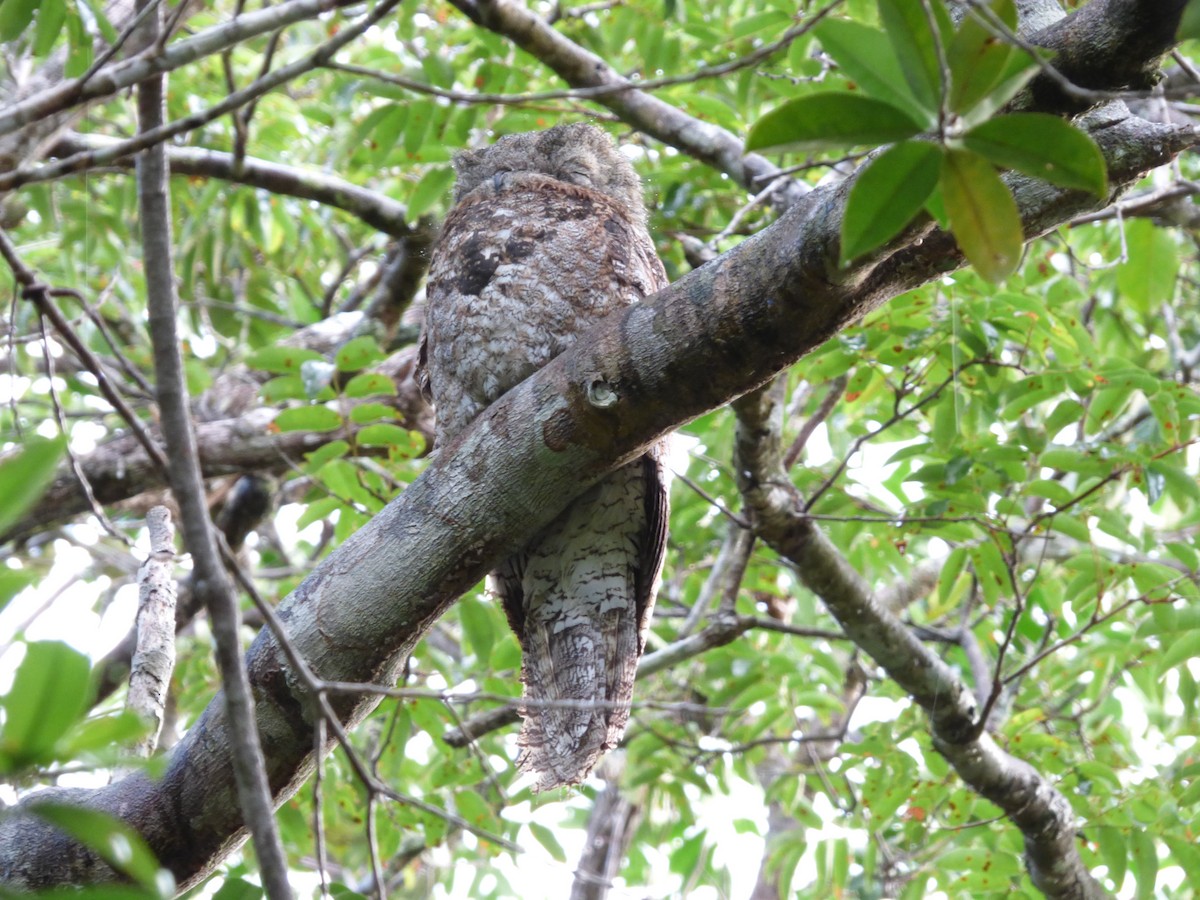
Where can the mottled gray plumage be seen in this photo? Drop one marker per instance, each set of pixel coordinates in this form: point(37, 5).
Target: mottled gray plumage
point(548, 235)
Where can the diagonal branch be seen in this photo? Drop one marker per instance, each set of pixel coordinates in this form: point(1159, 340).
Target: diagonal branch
point(1030, 801)
point(580, 68)
point(155, 61)
point(375, 209)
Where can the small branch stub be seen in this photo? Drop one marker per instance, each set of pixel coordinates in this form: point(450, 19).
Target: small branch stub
point(601, 394)
point(154, 659)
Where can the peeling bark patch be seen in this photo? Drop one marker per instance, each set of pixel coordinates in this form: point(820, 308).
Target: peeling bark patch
point(556, 433)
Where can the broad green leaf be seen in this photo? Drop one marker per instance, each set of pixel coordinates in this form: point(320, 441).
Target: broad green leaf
point(866, 56)
point(372, 411)
point(1179, 484)
point(951, 569)
point(25, 475)
point(1171, 618)
point(13, 581)
point(79, 42)
point(51, 16)
point(478, 626)
point(888, 194)
point(977, 57)
point(1085, 462)
point(991, 572)
point(1180, 650)
point(358, 353)
point(114, 841)
point(1189, 22)
point(15, 16)
point(1043, 146)
point(1144, 862)
point(281, 360)
point(101, 733)
point(546, 838)
point(983, 215)
point(431, 188)
point(385, 434)
point(1019, 70)
point(49, 693)
point(915, 42)
point(472, 807)
point(1104, 406)
point(369, 384)
point(1147, 277)
point(830, 120)
point(1156, 580)
point(283, 387)
point(308, 418)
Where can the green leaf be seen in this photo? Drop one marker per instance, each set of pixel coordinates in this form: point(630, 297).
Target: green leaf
point(15, 16)
point(372, 411)
point(830, 120)
point(79, 42)
point(978, 58)
point(385, 434)
point(1019, 70)
point(49, 693)
point(888, 194)
point(283, 387)
point(1180, 650)
point(308, 418)
point(1144, 862)
point(119, 729)
point(546, 838)
point(51, 16)
point(478, 626)
point(983, 215)
point(951, 569)
point(13, 581)
point(990, 571)
point(25, 475)
point(1147, 277)
point(370, 384)
point(1189, 22)
point(1104, 406)
point(907, 23)
point(1043, 146)
point(474, 809)
point(281, 360)
point(865, 55)
point(114, 841)
point(431, 188)
point(358, 353)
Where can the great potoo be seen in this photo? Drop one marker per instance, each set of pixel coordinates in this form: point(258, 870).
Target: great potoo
point(548, 235)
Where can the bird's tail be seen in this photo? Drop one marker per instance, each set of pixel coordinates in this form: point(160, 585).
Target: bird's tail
point(578, 690)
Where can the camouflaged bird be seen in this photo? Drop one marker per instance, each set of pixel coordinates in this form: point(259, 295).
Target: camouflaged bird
point(547, 236)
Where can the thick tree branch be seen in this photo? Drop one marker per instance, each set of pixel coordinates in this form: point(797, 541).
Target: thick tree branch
point(1106, 44)
point(715, 334)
